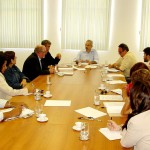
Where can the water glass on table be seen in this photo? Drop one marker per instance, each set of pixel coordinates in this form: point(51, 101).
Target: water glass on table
point(38, 109)
point(84, 133)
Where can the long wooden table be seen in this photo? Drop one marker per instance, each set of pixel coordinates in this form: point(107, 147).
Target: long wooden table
point(57, 133)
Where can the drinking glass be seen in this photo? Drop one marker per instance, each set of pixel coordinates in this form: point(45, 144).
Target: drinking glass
point(38, 108)
point(84, 133)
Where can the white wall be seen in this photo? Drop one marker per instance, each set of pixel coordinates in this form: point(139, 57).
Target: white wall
point(125, 28)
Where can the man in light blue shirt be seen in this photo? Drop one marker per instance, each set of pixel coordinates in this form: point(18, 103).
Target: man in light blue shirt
point(88, 55)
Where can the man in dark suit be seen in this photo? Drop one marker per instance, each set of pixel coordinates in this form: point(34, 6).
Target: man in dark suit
point(33, 66)
point(48, 60)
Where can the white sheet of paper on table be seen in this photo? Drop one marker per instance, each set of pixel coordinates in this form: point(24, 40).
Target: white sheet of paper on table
point(111, 135)
point(112, 70)
point(91, 66)
point(115, 75)
point(67, 73)
point(90, 112)
point(116, 82)
point(114, 108)
point(118, 91)
point(57, 103)
point(111, 97)
point(80, 69)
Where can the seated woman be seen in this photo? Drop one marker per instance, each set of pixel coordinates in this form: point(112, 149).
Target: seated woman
point(5, 90)
point(126, 108)
point(136, 130)
point(14, 77)
point(13, 113)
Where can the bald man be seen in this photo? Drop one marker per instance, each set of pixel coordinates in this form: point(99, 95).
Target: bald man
point(33, 66)
point(88, 55)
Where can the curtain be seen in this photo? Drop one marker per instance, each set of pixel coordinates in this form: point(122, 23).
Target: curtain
point(20, 23)
point(145, 25)
point(83, 20)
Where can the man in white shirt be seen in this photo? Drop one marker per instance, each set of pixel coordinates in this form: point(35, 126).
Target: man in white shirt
point(147, 56)
point(125, 62)
point(88, 55)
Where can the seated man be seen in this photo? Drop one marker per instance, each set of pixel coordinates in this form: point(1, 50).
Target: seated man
point(125, 62)
point(48, 59)
point(89, 55)
point(147, 56)
point(13, 113)
point(33, 66)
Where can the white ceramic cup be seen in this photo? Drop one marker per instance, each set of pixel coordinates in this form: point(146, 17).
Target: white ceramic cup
point(78, 125)
point(47, 93)
point(42, 116)
point(102, 86)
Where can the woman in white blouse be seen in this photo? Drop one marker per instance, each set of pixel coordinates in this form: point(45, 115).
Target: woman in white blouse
point(6, 92)
point(136, 130)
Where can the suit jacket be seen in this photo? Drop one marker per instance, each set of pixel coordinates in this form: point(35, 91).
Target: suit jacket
point(32, 68)
point(49, 60)
point(138, 132)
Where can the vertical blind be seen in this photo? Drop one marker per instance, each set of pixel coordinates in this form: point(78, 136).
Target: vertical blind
point(20, 23)
point(83, 20)
point(145, 25)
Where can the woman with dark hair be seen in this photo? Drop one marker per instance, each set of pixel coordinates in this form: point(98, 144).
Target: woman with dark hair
point(136, 130)
point(127, 108)
point(14, 77)
point(5, 90)
point(139, 65)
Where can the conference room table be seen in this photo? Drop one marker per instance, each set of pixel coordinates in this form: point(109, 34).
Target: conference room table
point(57, 132)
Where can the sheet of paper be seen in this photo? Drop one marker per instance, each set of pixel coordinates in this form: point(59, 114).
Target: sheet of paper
point(114, 75)
point(112, 70)
point(118, 91)
point(116, 82)
point(90, 112)
point(114, 108)
point(111, 135)
point(67, 73)
point(111, 97)
point(91, 66)
point(80, 69)
point(57, 103)
point(65, 69)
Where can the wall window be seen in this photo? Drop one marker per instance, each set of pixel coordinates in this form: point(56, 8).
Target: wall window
point(85, 19)
point(20, 23)
point(145, 25)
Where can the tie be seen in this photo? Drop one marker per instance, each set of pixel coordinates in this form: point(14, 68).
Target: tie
point(40, 63)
